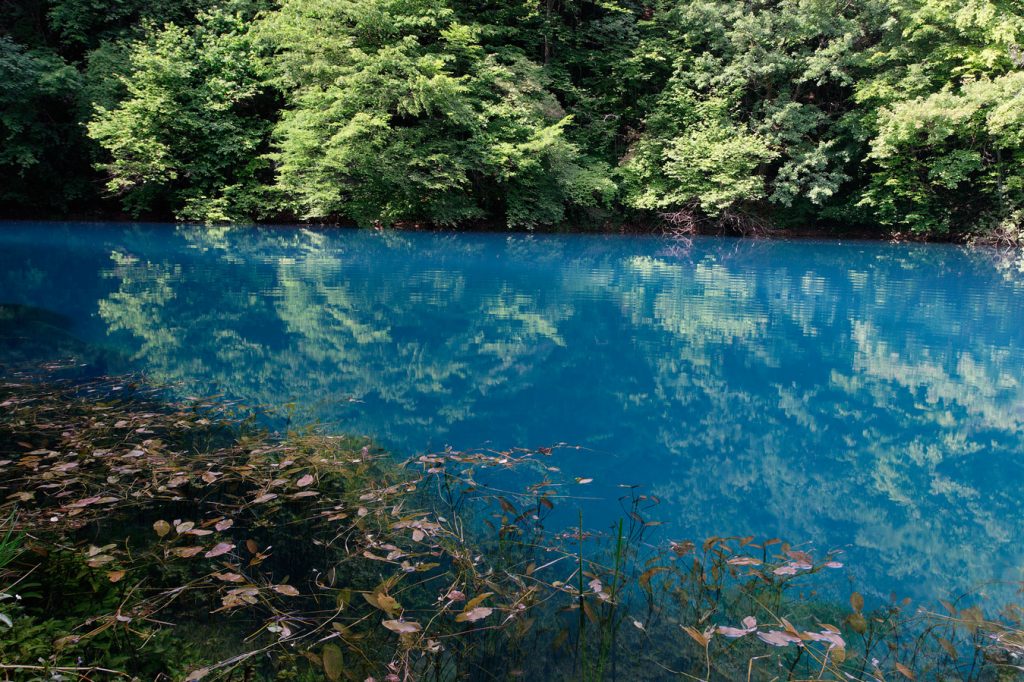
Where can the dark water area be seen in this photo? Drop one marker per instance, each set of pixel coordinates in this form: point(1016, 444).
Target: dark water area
point(863, 397)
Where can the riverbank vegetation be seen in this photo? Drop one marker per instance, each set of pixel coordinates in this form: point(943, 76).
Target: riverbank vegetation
point(740, 115)
point(145, 538)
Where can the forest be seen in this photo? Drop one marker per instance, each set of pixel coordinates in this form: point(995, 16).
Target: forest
point(884, 117)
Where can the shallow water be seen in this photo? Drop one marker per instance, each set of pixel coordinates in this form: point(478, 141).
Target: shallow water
point(857, 396)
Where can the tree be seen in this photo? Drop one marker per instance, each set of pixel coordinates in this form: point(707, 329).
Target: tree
point(397, 112)
point(37, 124)
point(947, 113)
point(753, 118)
point(190, 136)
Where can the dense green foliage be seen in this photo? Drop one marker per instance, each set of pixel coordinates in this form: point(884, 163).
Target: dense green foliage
point(905, 115)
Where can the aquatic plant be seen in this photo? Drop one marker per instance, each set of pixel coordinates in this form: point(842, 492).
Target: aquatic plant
point(157, 539)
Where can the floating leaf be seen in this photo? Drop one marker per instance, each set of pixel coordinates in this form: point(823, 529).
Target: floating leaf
point(749, 625)
point(266, 497)
point(305, 481)
point(832, 638)
point(286, 590)
point(584, 481)
point(744, 561)
point(161, 527)
point(857, 601)
point(219, 549)
point(229, 577)
point(186, 552)
point(473, 615)
point(115, 576)
point(778, 638)
point(402, 626)
point(732, 632)
point(224, 524)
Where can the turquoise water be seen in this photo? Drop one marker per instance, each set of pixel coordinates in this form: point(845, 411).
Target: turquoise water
point(857, 396)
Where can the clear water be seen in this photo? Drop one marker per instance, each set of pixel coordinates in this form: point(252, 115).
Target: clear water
point(857, 396)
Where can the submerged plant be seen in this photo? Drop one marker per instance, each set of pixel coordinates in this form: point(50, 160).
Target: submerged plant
point(165, 540)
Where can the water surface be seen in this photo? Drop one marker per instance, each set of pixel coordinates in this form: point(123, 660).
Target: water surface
point(857, 396)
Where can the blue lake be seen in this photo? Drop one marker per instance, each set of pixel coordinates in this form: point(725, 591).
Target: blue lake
point(858, 396)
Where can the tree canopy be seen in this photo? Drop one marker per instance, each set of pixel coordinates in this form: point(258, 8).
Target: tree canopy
point(898, 115)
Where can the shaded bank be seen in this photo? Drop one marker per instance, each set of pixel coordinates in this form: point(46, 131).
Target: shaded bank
point(708, 114)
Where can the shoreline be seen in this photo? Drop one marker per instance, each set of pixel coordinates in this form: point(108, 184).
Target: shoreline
point(625, 229)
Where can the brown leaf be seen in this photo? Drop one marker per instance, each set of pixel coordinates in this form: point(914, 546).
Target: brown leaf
point(186, 552)
point(305, 481)
point(401, 626)
point(905, 671)
point(645, 577)
point(224, 524)
point(266, 497)
point(473, 615)
point(251, 545)
point(857, 601)
point(696, 635)
point(778, 638)
point(229, 577)
point(219, 549)
point(161, 527)
point(286, 590)
point(115, 576)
